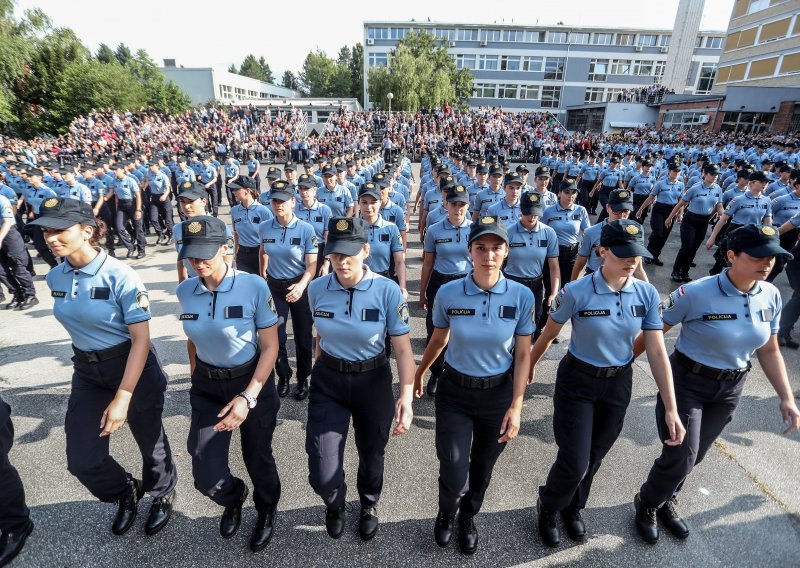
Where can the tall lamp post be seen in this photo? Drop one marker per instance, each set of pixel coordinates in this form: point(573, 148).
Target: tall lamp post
point(390, 96)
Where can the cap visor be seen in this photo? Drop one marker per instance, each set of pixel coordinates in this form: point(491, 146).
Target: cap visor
point(630, 250)
point(54, 222)
point(478, 234)
point(203, 251)
point(347, 248)
point(621, 206)
point(282, 196)
point(458, 200)
point(768, 249)
point(531, 211)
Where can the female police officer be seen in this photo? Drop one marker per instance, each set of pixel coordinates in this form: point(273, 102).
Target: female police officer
point(314, 213)
point(353, 311)
point(288, 262)
point(740, 311)
point(593, 385)
point(230, 318)
point(117, 376)
point(477, 400)
point(445, 259)
point(247, 215)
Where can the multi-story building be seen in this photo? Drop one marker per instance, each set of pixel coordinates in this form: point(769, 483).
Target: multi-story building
point(762, 48)
point(549, 67)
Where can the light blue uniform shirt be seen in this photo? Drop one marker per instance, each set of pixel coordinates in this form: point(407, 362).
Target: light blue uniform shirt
point(610, 179)
point(666, 192)
point(338, 199)
point(528, 249)
point(722, 327)
point(435, 215)
point(252, 166)
point(485, 199)
point(567, 223)
point(231, 171)
point(703, 199)
point(177, 235)
point(642, 184)
point(468, 311)
point(589, 242)
point(590, 172)
point(731, 194)
point(448, 244)
point(6, 211)
point(8, 193)
point(76, 191)
point(352, 323)
point(384, 240)
point(246, 222)
point(158, 183)
point(784, 208)
point(604, 322)
point(746, 209)
point(394, 214)
point(35, 197)
point(317, 216)
point(185, 175)
point(97, 187)
point(224, 324)
point(126, 188)
point(508, 214)
point(432, 199)
point(98, 302)
point(287, 247)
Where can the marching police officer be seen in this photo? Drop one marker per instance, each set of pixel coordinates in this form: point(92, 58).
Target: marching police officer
point(14, 261)
point(230, 319)
point(353, 311)
point(117, 376)
point(246, 216)
point(35, 193)
point(316, 214)
point(15, 519)
point(253, 169)
point(288, 260)
point(158, 184)
point(445, 258)
point(666, 194)
point(129, 210)
point(507, 210)
point(740, 311)
point(608, 308)
point(479, 397)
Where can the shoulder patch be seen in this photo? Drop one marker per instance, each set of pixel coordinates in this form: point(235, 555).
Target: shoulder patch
point(402, 311)
point(271, 304)
point(143, 301)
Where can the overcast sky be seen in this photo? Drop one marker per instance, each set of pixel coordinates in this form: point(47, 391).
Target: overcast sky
point(206, 33)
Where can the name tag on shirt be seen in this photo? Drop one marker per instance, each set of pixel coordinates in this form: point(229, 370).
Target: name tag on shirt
point(717, 317)
point(323, 314)
point(439, 241)
point(385, 238)
point(512, 245)
point(542, 243)
point(508, 312)
point(639, 311)
point(189, 316)
point(318, 219)
point(594, 313)
point(370, 315)
point(267, 240)
point(256, 219)
point(767, 314)
point(460, 312)
point(58, 294)
point(234, 312)
point(296, 240)
point(101, 293)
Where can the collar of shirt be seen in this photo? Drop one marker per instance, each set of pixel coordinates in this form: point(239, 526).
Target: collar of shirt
point(472, 289)
point(289, 225)
point(364, 284)
point(448, 225)
point(727, 287)
point(379, 222)
point(224, 286)
point(601, 286)
point(314, 206)
point(90, 269)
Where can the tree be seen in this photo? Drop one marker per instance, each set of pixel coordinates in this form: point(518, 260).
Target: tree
point(421, 73)
point(256, 69)
point(317, 74)
point(123, 54)
point(268, 76)
point(232, 69)
point(357, 73)
point(105, 54)
point(345, 57)
point(290, 81)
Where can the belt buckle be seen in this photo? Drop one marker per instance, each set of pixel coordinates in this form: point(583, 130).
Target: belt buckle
point(92, 357)
point(475, 383)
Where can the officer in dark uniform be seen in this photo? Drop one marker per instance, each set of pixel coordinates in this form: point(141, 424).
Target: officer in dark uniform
point(14, 261)
point(15, 519)
point(608, 309)
point(353, 311)
point(247, 215)
point(230, 319)
point(288, 262)
point(445, 258)
point(718, 336)
point(117, 376)
point(479, 398)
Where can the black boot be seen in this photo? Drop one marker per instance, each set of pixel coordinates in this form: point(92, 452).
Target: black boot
point(13, 540)
point(283, 386)
point(573, 522)
point(127, 507)
point(26, 303)
point(368, 523)
point(443, 529)
point(676, 276)
point(548, 527)
point(646, 523)
point(467, 534)
point(433, 382)
point(302, 389)
point(262, 532)
point(15, 301)
point(160, 513)
point(672, 520)
point(232, 516)
point(335, 521)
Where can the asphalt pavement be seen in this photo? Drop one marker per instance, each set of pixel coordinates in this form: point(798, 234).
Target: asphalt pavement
point(742, 502)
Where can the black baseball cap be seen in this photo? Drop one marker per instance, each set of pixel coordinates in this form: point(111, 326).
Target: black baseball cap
point(542, 171)
point(346, 235)
point(369, 189)
point(328, 171)
point(487, 226)
point(523, 168)
point(711, 169)
point(380, 180)
point(531, 203)
point(273, 173)
point(624, 238)
point(495, 169)
point(191, 190)
point(447, 183)
point(620, 200)
point(457, 194)
point(568, 184)
point(202, 237)
point(280, 191)
point(57, 213)
point(757, 240)
point(289, 166)
point(759, 176)
point(512, 177)
point(305, 180)
point(482, 169)
point(243, 182)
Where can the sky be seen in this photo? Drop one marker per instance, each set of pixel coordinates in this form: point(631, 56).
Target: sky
point(209, 33)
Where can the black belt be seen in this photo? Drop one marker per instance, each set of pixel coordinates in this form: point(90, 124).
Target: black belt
point(475, 382)
point(568, 247)
point(218, 374)
point(353, 366)
point(525, 281)
point(283, 282)
point(599, 372)
point(384, 273)
point(447, 277)
point(711, 372)
point(125, 201)
point(103, 354)
point(243, 248)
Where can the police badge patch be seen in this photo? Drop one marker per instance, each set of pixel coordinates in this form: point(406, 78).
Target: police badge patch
point(143, 301)
point(402, 311)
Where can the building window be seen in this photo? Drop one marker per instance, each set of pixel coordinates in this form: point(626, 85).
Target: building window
point(774, 30)
point(602, 39)
point(747, 122)
point(598, 68)
point(378, 33)
point(699, 42)
point(648, 40)
point(484, 90)
point(466, 61)
point(613, 95)
point(530, 92)
point(642, 68)
point(506, 91)
point(708, 72)
point(690, 120)
point(757, 6)
point(658, 70)
point(579, 37)
point(664, 40)
point(557, 37)
point(467, 35)
point(239, 91)
point(397, 33)
point(794, 125)
point(513, 35)
point(714, 43)
point(551, 97)
point(626, 39)
point(620, 67)
point(554, 69)
point(534, 37)
point(594, 95)
point(225, 92)
point(376, 59)
point(490, 35)
point(532, 63)
point(510, 63)
point(447, 34)
point(790, 64)
point(487, 63)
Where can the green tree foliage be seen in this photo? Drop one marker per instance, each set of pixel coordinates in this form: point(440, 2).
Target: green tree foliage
point(232, 69)
point(290, 81)
point(256, 69)
point(421, 73)
point(105, 54)
point(323, 76)
point(123, 54)
point(357, 73)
